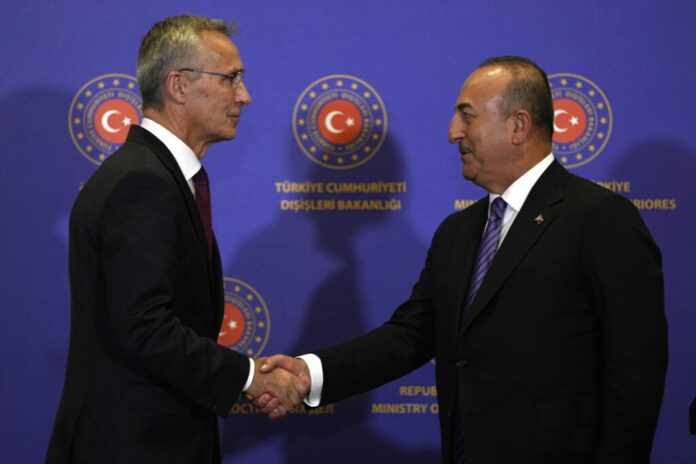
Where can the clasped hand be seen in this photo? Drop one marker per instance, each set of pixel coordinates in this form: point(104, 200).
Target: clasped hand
point(280, 383)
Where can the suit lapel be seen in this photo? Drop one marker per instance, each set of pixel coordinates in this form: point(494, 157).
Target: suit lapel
point(139, 135)
point(532, 221)
point(218, 291)
point(461, 261)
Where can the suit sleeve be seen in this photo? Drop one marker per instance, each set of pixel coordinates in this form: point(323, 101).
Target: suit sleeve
point(623, 267)
point(139, 241)
point(400, 345)
point(388, 352)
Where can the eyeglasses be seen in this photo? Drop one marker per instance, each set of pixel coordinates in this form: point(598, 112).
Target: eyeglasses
point(236, 77)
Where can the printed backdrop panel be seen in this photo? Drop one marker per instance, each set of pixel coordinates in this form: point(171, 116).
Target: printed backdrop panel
point(325, 203)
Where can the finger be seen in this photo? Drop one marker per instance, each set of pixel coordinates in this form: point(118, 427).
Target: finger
point(278, 412)
point(273, 403)
point(262, 401)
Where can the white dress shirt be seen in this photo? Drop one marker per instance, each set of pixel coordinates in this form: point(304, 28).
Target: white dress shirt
point(185, 157)
point(189, 165)
point(515, 196)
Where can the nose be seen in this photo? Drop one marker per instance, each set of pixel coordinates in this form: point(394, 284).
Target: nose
point(242, 94)
point(456, 130)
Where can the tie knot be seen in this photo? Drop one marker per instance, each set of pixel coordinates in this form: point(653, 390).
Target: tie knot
point(498, 207)
point(201, 177)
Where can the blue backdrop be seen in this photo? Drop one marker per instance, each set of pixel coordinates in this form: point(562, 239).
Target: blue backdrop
point(299, 279)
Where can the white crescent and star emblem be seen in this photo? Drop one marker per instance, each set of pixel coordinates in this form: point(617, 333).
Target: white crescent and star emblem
point(246, 323)
point(555, 116)
point(582, 119)
point(105, 121)
point(339, 121)
point(101, 115)
point(232, 325)
point(328, 121)
point(573, 121)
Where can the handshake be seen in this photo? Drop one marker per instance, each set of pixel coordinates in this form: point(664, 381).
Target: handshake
point(280, 383)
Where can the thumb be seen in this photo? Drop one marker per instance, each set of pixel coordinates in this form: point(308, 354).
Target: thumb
point(278, 360)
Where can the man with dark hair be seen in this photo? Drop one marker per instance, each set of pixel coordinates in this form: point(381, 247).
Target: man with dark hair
point(528, 88)
point(542, 302)
point(145, 379)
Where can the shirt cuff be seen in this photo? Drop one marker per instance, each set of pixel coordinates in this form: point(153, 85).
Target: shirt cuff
point(316, 375)
point(250, 378)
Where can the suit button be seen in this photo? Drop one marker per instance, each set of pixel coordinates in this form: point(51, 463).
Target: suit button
point(461, 363)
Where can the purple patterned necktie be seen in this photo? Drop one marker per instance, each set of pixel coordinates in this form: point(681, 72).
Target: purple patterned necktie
point(487, 248)
point(200, 182)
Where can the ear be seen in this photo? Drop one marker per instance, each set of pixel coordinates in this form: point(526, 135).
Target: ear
point(521, 126)
point(175, 87)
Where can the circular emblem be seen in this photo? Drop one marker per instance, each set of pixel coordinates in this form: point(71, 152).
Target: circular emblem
point(101, 114)
point(246, 325)
point(582, 119)
point(339, 122)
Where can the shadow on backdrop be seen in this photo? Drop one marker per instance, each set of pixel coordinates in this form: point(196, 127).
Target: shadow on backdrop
point(38, 182)
point(330, 268)
point(660, 171)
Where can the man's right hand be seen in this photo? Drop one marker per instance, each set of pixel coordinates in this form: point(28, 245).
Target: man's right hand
point(280, 384)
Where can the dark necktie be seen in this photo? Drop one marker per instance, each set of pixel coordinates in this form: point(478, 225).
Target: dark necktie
point(487, 248)
point(200, 182)
point(484, 257)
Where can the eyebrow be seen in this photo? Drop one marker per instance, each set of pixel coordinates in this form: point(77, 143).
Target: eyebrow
point(463, 106)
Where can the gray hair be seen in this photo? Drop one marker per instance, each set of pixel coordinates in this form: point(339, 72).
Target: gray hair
point(172, 43)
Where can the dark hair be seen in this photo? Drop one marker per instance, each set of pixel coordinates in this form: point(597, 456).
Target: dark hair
point(528, 89)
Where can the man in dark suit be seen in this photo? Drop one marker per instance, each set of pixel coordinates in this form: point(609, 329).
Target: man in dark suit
point(145, 378)
point(556, 350)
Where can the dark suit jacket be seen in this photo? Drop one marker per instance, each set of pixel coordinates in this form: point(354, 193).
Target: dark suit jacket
point(561, 357)
point(145, 378)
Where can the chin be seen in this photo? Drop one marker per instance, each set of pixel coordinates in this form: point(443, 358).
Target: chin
point(229, 135)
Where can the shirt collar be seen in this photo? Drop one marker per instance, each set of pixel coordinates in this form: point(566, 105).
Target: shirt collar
point(517, 192)
point(185, 157)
